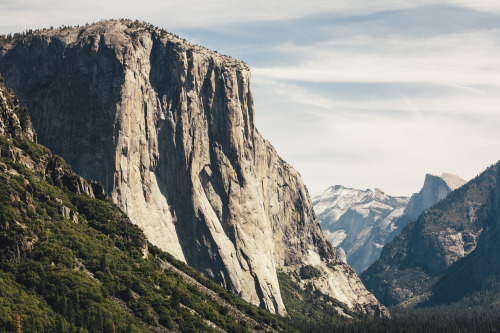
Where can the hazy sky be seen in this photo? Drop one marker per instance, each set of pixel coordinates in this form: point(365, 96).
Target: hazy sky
point(360, 93)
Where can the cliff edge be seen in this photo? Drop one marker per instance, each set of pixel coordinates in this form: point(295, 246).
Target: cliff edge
point(168, 128)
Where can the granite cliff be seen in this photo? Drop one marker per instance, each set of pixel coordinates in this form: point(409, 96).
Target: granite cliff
point(168, 128)
point(71, 260)
point(435, 189)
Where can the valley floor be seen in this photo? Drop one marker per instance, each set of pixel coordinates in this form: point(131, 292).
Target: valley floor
point(437, 319)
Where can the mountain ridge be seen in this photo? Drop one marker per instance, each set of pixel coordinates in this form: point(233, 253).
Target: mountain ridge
point(430, 246)
point(360, 222)
point(357, 221)
point(168, 129)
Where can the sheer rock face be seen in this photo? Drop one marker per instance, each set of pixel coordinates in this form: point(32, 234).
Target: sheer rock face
point(435, 189)
point(168, 128)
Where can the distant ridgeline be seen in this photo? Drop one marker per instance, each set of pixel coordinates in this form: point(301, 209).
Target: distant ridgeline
point(359, 223)
point(71, 260)
point(450, 254)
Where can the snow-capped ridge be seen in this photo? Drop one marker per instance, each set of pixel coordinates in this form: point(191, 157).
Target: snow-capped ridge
point(360, 222)
point(350, 217)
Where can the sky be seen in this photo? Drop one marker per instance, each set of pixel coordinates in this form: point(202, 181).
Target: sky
point(360, 93)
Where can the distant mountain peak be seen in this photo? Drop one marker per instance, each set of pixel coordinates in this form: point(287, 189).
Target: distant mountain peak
point(435, 189)
point(360, 222)
point(350, 218)
point(453, 181)
point(447, 252)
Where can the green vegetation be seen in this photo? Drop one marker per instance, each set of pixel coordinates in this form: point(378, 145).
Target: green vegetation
point(413, 260)
point(430, 320)
point(309, 309)
point(73, 263)
point(38, 253)
point(33, 150)
point(309, 272)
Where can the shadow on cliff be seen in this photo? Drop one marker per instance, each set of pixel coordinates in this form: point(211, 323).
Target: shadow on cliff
point(71, 93)
point(174, 169)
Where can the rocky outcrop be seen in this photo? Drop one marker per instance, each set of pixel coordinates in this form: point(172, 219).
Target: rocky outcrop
point(358, 223)
point(435, 189)
point(477, 273)
point(412, 265)
point(168, 128)
point(14, 119)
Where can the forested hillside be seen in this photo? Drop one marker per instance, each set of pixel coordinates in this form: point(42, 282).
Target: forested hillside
point(413, 269)
point(71, 261)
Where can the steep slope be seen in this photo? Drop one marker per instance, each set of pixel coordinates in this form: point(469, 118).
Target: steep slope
point(475, 279)
point(71, 260)
point(411, 266)
point(358, 223)
point(168, 128)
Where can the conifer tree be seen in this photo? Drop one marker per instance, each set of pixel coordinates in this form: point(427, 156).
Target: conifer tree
point(17, 324)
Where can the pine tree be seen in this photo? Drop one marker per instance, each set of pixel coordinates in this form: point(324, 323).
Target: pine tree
point(17, 324)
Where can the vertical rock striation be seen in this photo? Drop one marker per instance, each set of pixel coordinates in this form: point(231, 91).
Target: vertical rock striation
point(168, 128)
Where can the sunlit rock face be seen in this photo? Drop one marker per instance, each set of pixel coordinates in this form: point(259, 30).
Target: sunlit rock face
point(168, 128)
point(435, 189)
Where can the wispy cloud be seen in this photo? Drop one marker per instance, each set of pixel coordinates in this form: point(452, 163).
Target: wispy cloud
point(388, 143)
point(21, 14)
point(361, 93)
point(460, 60)
point(432, 107)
